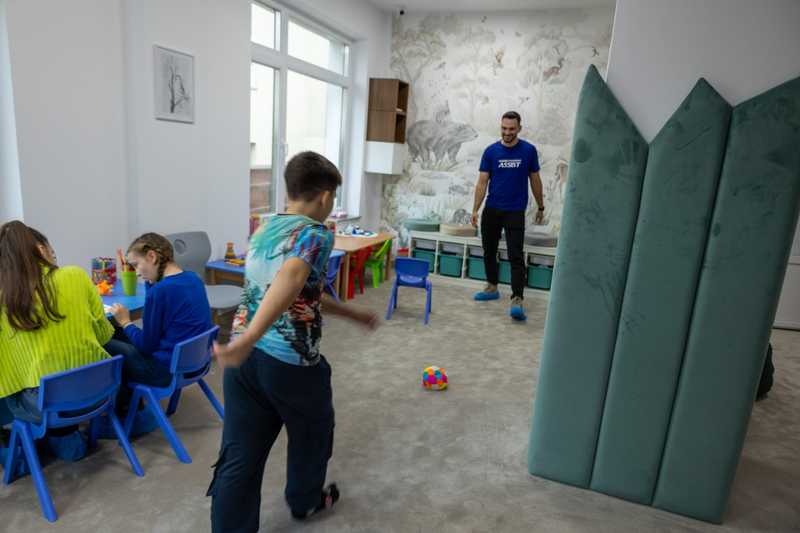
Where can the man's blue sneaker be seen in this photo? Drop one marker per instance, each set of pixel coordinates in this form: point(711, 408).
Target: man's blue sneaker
point(517, 310)
point(487, 294)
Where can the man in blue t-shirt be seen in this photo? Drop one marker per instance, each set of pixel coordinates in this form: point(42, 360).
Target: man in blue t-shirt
point(507, 167)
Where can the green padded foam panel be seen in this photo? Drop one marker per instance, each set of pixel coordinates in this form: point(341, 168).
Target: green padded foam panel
point(754, 219)
point(600, 209)
point(680, 184)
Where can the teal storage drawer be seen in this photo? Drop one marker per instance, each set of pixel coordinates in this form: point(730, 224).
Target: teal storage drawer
point(430, 257)
point(450, 264)
point(540, 277)
point(475, 268)
point(505, 272)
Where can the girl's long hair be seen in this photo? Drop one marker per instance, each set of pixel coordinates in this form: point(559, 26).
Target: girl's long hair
point(27, 294)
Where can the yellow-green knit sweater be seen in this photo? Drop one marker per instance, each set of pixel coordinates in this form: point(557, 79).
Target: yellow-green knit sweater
point(77, 340)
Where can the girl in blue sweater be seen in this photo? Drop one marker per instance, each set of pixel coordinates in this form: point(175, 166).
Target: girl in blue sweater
point(175, 309)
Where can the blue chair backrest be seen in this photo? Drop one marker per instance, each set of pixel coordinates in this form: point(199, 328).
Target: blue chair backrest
point(410, 266)
point(193, 354)
point(334, 262)
point(77, 389)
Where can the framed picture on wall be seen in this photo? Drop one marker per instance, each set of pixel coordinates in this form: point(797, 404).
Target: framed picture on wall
point(174, 85)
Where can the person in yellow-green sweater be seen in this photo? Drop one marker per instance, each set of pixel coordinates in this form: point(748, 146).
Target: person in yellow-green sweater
point(51, 320)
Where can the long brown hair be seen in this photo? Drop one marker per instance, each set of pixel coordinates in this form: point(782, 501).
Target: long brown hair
point(158, 244)
point(27, 294)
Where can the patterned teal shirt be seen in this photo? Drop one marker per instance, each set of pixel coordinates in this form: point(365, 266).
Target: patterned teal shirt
point(295, 335)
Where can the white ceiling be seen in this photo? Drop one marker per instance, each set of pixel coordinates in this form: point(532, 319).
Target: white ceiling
point(416, 6)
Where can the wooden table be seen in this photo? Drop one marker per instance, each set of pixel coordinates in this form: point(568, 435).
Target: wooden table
point(350, 245)
point(221, 272)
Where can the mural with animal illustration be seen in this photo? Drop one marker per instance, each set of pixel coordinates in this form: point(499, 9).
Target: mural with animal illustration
point(465, 71)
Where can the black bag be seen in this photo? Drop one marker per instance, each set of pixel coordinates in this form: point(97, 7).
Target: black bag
point(766, 375)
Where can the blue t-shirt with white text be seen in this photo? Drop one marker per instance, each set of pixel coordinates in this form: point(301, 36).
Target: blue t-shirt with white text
point(509, 171)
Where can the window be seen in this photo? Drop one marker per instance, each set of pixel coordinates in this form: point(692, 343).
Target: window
point(264, 24)
point(314, 117)
point(298, 100)
point(262, 126)
point(317, 49)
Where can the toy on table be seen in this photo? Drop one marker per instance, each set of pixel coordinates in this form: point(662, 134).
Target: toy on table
point(231, 258)
point(104, 269)
point(229, 252)
point(104, 288)
point(434, 378)
point(356, 231)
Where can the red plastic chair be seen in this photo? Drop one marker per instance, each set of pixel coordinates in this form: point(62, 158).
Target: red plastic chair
point(357, 267)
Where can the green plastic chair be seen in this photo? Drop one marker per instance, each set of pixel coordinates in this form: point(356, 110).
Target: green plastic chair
point(376, 263)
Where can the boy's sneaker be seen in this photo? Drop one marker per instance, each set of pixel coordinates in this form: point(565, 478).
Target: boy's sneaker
point(21, 470)
point(144, 422)
point(517, 310)
point(489, 293)
point(68, 448)
point(329, 496)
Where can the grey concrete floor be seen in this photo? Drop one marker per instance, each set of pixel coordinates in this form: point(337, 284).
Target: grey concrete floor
point(411, 460)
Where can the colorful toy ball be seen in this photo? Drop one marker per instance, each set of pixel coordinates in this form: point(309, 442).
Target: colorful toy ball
point(434, 378)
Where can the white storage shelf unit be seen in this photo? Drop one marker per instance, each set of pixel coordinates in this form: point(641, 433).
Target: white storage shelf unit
point(442, 240)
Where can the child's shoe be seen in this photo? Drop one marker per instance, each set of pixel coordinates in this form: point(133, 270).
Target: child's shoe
point(68, 448)
point(329, 496)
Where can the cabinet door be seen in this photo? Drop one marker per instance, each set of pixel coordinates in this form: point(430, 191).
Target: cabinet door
point(381, 126)
point(383, 94)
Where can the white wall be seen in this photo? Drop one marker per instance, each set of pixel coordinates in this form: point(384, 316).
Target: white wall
point(67, 74)
point(372, 31)
point(742, 47)
point(97, 168)
point(10, 192)
point(659, 49)
point(185, 177)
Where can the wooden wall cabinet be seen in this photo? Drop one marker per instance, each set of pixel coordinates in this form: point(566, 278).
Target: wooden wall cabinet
point(388, 105)
point(386, 126)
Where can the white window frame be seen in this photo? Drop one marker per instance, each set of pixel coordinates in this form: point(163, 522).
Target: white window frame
point(279, 59)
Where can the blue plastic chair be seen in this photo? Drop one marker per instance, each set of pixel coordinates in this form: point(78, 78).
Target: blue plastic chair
point(191, 361)
point(334, 263)
point(66, 399)
point(411, 273)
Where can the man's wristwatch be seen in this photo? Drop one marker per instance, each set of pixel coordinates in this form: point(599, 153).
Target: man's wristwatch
point(541, 208)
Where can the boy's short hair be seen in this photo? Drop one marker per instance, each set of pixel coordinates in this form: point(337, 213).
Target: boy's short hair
point(308, 174)
point(513, 115)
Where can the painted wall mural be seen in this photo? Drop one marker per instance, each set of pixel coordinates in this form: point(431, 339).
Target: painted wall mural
point(465, 71)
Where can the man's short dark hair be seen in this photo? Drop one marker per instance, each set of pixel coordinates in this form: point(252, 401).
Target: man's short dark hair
point(308, 174)
point(513, 115)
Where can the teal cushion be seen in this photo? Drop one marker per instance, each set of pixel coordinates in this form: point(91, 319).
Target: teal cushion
point(601, 204)
point(683, 168)
point(754, 219)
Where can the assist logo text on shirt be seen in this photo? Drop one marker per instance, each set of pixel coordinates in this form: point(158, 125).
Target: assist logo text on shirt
point(509, 163)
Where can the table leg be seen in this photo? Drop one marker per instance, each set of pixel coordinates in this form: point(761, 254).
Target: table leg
point(388, 270)
point(337, 284)
point(345, 277)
